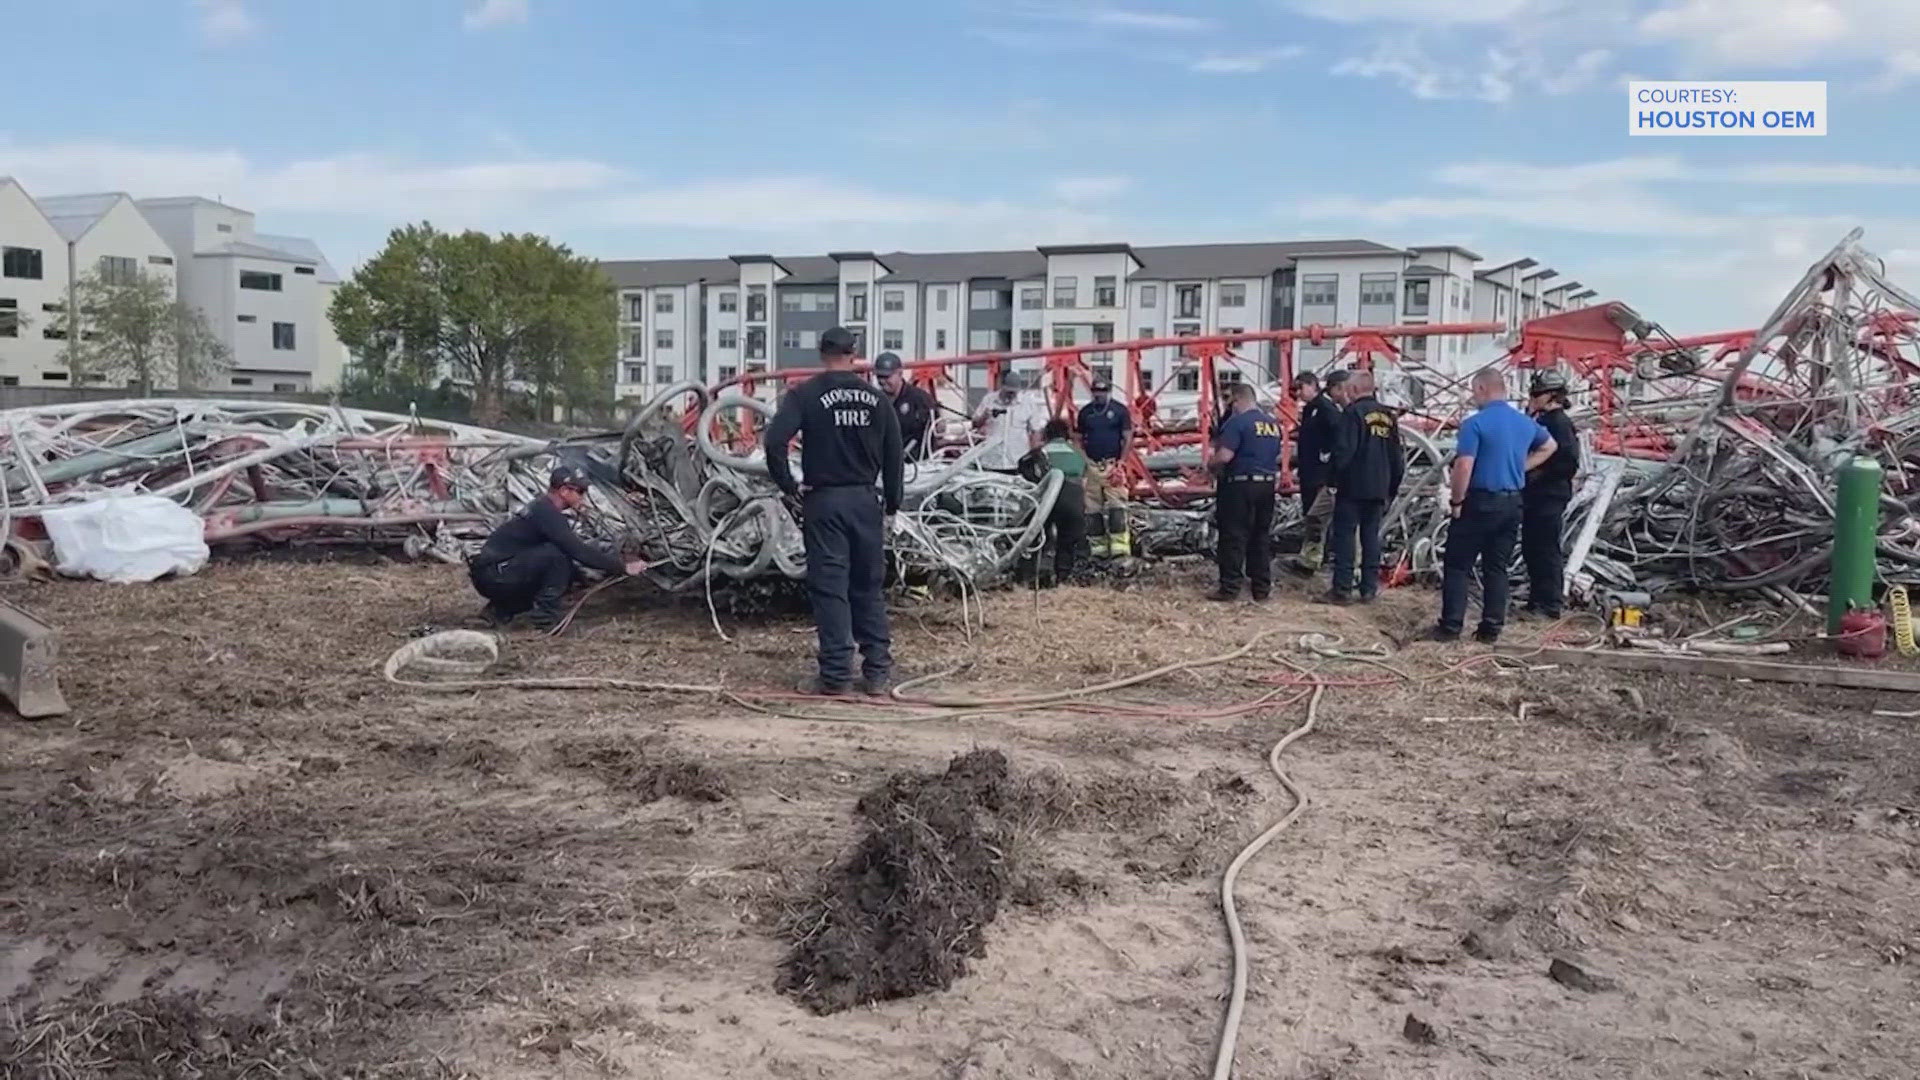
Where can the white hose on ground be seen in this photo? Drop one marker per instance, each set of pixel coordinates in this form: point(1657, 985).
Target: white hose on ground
point(1236, 1002)
point(428, 654)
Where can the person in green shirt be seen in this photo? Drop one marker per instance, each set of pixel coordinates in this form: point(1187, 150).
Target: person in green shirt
point(1067, 524)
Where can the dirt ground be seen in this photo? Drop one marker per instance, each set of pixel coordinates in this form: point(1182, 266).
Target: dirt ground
point(244, 854)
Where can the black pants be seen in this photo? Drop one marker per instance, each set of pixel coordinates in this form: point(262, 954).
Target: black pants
point(1484, 533)
point(1542, 518)
point(846, 567)
point(536, 578)
point(1068, 524)
point(1243, 514)
point(1357, 520)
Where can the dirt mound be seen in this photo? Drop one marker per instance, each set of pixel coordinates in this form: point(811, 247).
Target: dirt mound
point(905, 909)
point(643, 768)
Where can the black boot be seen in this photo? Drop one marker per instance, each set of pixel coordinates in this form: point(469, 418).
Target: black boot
point(546, 612)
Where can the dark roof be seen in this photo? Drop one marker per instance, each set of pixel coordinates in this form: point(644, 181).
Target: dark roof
point(809, 270)
point(1244, 260)
point(1542, 274)
point(1517, 264)
point(965, 265)
point(1455, 248)
point(1086, 249)
point(645, 273)
point(1423, 270)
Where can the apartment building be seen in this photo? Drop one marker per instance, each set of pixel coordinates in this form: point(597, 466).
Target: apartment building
point(710, 320)
point(265, 296)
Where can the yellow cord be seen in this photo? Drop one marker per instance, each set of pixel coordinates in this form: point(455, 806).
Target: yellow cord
point(1902, 620)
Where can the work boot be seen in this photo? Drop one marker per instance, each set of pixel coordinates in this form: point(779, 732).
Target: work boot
point(816, 686)
point(1486, 636)
point(1312, 555)
point(1223, 594)
point(875, 685)
point(1369, 597)
point(493, 618)
point(547, 613)
point(1119, 537)
point(1442, 634)
point(1336, 597)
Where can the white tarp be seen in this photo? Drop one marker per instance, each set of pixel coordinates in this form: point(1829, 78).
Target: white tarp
point(126, 538)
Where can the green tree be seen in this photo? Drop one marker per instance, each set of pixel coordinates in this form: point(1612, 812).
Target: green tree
point(489, 312)
point(140, 332)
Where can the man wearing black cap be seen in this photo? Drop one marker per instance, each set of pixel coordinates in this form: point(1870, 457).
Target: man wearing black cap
point(529, 560)
point(912, 405)
point(850, 438)
point(1105, 426)
point(1543, 502)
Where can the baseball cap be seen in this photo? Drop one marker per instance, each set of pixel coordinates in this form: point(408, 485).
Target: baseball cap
point(886, 363)
point(567, 476)
point(838, 341)
point(1100, 384)
point(1548, 382)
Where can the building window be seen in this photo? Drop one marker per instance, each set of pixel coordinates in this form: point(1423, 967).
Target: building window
point(636, 309)
point(663, 303)
point(1419, 297)
point(1187, 329)
point(1030, 339)
point(242, 380)
point(729, 339)
point(940, 341)
point(985, 299)
point(893, 339)
point(857, 303)
point(1186, 379)
point(663, 373)
point(9, 380)
point(1064, 337)
point(757, 304)
point(729, 300)
point(1105, 292)
point(249, 318)
point(939, 299)
point(57, 376)
point(789, 339)
point(9, 318)
point(980, 341)
point(1376, 289)
point(663, 339)
point(118, 270)
point(1186, 301)
point(756, 338)
point(1033, 297)
point(728, 371)
point(1103, 372)
point(18, 262)
point(1499, 304)
point(635, 372)
point(223, 228)
point(307, 270)
point(159, 260)
point(1146, 381)
point(1149, 295)
point(256, 279)
point(893, 300)
point(1225, 377)
point(1066, 292)
point(283, 335)
point(285, 388)
point(637, 343)
point(1229, 331)
point(1234, 295)
point(1319, 290)
point(790, 302)
point(1146, 334)
point(1417, 345)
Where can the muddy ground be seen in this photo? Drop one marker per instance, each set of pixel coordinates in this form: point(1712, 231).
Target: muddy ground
point(243, 854)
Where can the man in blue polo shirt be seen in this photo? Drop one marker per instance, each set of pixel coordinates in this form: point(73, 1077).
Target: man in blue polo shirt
point(1497, 445)
point(1246, 450)
point(1105, 426)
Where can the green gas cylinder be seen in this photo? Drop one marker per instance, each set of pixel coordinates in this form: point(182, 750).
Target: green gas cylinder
point(1856, 533)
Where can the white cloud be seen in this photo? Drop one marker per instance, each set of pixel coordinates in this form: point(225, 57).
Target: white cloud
point(1245, 63)
point(487, 14)
point(1753, 32)
point(1087, 188)
point(1826, 173)
point(1404, 59)
point(1414, 11)
point(1114, 18)
point(223, 22)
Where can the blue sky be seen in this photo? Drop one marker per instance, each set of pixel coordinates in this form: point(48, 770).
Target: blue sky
point(641, 128)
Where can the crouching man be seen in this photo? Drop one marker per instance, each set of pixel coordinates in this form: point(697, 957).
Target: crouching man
point(529, 561)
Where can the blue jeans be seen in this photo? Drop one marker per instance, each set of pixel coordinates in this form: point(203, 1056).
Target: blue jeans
point(1357, 519)
point(846, 568)
point(1484, 533)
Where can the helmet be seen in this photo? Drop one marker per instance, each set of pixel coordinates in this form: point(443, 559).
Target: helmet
point(567, 476)
point(1547, 382)
point(886, 363)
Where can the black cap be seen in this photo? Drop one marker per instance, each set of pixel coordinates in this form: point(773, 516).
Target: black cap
point(838, 341)
point(1547, 382)
point(567, 476)
point(886, 363)
point(1100, 384)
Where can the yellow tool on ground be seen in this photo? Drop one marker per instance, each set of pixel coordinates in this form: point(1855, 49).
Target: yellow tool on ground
point(1902, 620)
point(1626, 612)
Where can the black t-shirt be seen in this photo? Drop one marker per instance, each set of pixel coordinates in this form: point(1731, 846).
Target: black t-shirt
point(1318, 432)
point(541, 522)
point(849, 436)
point(1554, 477)
point(914, 409)
point(1104, 429)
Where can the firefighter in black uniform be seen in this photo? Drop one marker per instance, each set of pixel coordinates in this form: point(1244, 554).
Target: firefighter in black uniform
point(912, 405)
point(1367, 467)
point(528, 562)
point(1543, 502)
point(1312, 453)
point(849, 439)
